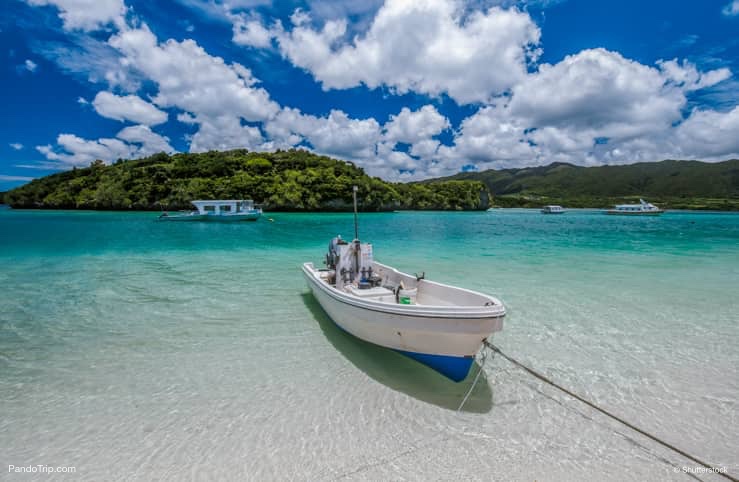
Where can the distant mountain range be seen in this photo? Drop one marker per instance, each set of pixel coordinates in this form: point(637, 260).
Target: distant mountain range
point(300, 180)
point(671, 183)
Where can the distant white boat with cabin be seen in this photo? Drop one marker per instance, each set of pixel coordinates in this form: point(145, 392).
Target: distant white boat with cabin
point(642, 209)
point(223, 210)
point(552, 209)
point(441, 326)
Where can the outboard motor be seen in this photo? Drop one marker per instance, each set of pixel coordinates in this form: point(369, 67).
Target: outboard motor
point(333, 252)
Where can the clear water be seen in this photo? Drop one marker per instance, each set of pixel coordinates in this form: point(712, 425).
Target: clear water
point(139, 350)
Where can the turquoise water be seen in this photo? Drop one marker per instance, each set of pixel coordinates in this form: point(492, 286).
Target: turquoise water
point(139, 350)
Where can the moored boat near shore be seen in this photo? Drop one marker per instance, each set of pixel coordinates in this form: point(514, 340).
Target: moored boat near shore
point(552, 209)
point(217, 210)
point(642, 209)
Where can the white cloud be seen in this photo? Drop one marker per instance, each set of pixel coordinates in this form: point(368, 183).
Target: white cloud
point(428, 46)
point(148, 141)
point(128, 108)
point(412, 127)
point(492, 136)
point(250, 32)
point(130, 143)
point(223, 133)
point(594, 107)
point(217, 96)
point(425, 149)
point(82, 101)
point(598, 89)
point(73, 150)
point(16, 145)
point(687, 76)
point(732, 9)
point(5, 177)
point(87, 15)
point(30, 65)
point(708, 134)
point(93, 59)
point(334, 135)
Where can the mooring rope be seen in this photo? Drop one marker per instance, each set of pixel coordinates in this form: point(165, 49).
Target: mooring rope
point(477, 377)
point(718, 471)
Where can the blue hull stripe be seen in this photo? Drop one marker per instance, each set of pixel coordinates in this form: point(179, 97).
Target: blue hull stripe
point(454, 367)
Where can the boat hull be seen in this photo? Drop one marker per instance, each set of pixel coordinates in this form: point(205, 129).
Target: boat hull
point(229, 218)
point(614, 212)
point(445, 343)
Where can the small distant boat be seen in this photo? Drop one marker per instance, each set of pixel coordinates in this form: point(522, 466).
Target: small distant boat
point(227, 210)
point(438, 325)
point(642, 209)
point(552, 209)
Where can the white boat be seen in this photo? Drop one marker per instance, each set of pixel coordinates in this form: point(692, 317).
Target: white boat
point(552, 209)
point(223, 210)
point(438, 325)
point(642, 209)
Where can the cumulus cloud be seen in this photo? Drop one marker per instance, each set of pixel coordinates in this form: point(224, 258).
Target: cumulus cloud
point(73, 150)
point(594, 107)
point(87, 15)
point(131, 142)
point(148, 142)
point(708, 134)
point(217, 96)
point(249, 31)
point(30, 65)
point(335, 135)
point(598, 89)
point(411, 127)
point(225, 132)
point(429, 46)
point(128, 108)
point(16, 145)
point(491, 137)
point(189, 78)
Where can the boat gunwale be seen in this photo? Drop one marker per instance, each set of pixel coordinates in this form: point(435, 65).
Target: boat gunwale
point(635, 213)
point(496, 310)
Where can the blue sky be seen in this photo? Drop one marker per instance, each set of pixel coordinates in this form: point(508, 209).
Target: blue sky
point(408, 90)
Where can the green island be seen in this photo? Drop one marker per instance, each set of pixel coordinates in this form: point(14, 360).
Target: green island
point(298, 180)
point(671, 184)
point(292, 180)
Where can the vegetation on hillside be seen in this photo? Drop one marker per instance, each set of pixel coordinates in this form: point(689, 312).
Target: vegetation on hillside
point(671, 184)
point(294, 180)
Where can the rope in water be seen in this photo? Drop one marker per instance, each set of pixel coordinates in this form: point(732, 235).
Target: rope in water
point(477, 377)
point(715, 470)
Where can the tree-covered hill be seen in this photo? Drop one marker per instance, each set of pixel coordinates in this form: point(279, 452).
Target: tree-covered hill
point(294, 180)
point(672, 184)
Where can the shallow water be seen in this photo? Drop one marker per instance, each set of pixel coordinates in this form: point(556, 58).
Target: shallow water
point(139, 350)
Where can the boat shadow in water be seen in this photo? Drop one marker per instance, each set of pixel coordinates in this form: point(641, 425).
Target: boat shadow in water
point(400, 373)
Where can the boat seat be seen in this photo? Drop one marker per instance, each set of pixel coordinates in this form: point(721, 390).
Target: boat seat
point(377, 293)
